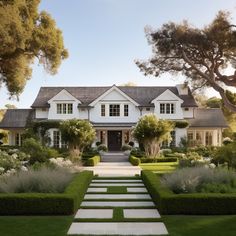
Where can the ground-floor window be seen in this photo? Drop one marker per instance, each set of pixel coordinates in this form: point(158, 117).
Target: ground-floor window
point(18, 139)
point(198, 137)
point(56, 139)
point(102, 136)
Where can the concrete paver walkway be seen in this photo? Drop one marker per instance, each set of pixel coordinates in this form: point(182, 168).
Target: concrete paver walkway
point(99, 217)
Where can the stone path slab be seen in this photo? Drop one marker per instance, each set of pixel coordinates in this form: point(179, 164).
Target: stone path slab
point(95, 190)
point(133, 228)
point(94, 213)
point(141, 213)
point(116, 184)
point(117, 204)
point(136, 190)
point(117, 196)
point(117, 180)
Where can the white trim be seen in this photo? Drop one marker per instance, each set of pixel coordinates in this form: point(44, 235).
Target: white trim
point(67, 93)
point(110, 90)
point(167, 101)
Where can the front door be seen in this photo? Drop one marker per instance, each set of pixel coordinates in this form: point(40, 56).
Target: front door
point(114, 140)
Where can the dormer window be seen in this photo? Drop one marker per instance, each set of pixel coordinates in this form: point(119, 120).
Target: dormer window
point(114, 109)
point(64, 108)
point(167, 108)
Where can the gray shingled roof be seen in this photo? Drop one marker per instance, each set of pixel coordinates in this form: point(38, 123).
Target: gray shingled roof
point(142, 95)
point(205, 117)
point(16, 118)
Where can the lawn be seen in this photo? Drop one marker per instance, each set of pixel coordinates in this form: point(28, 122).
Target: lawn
point(176, 225)
point(34, 225)
point(161, 167)
point(200, 225)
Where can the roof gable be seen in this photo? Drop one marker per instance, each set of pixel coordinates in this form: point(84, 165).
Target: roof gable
point(113, 88)
point(167, 95)
point(64, 95)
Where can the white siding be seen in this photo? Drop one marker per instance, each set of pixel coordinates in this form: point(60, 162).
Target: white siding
point(41, 113)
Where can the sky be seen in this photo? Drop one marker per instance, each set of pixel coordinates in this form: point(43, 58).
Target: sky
point(105, 37)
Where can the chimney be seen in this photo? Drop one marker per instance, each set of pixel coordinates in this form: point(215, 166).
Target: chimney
point(182, 89)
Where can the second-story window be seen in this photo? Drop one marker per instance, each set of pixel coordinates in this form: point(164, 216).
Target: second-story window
point(64, 108)
point(126, 110)
point(114, 109)
point(167, 108)
point(103, 110)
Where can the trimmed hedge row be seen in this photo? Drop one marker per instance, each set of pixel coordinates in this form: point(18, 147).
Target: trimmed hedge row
point(46, 203)
point(92, 161)
point(135, 161)
point(192, 204)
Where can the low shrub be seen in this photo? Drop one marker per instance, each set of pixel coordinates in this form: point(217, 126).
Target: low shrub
point(227, 140)
point(166, 151)
point(43, 180)
point(134, 160)
point(226, 154)
point(131, 143)
point(159, 159)
point(92, 161)
point(126, 148)
point(192, 204)
point(65, 203)
point(102, 147)
point(181, 124)
point(190, 180)
point(137, 152)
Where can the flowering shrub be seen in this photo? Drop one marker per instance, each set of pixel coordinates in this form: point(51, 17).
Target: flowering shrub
point(61, 162)
point(12, 160)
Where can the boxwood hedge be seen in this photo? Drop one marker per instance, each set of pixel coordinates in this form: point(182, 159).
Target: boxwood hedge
point(46, 203)
point(193, 204)
point(92, 161)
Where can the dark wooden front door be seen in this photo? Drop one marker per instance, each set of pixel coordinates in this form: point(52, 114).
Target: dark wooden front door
point(114, 140)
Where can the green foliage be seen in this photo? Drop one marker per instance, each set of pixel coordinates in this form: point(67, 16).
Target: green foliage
point(38, 152)
point(126, 147)
point(27, 34)
point(92, 161)
point(226, 154)
point(200, 54)
point(191, 204)
point(151, 131)
point(78, 133)
point(137, 152)
point(214, 102)
point(135, 161)
point(190, 180)
point(181, 124)
point(102, 147)
point(43, 180)
point(158, 160)
point(47, 203)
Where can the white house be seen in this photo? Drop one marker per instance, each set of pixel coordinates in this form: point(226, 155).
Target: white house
point(114, 110)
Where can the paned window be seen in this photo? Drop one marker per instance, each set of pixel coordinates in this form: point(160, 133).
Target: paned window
point(167, 108)
point(173, 139)
point(114, 110)
point(56, 139)
point(64, 108)
point(126, 110)
point(103, 110)
point(208, 138)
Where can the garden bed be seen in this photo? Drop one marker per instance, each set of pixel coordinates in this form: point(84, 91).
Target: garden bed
point(193, 204)
point(46, 203)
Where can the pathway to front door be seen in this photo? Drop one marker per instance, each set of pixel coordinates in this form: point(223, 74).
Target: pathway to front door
point(117, 206)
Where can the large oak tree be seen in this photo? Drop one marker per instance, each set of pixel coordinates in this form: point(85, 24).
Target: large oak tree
point(202, 55)
point(26, 34)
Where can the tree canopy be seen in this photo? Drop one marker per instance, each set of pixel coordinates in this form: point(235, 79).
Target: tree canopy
point(26, 34)
point(78, 133)
point(202, 55)
point(151, 131)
